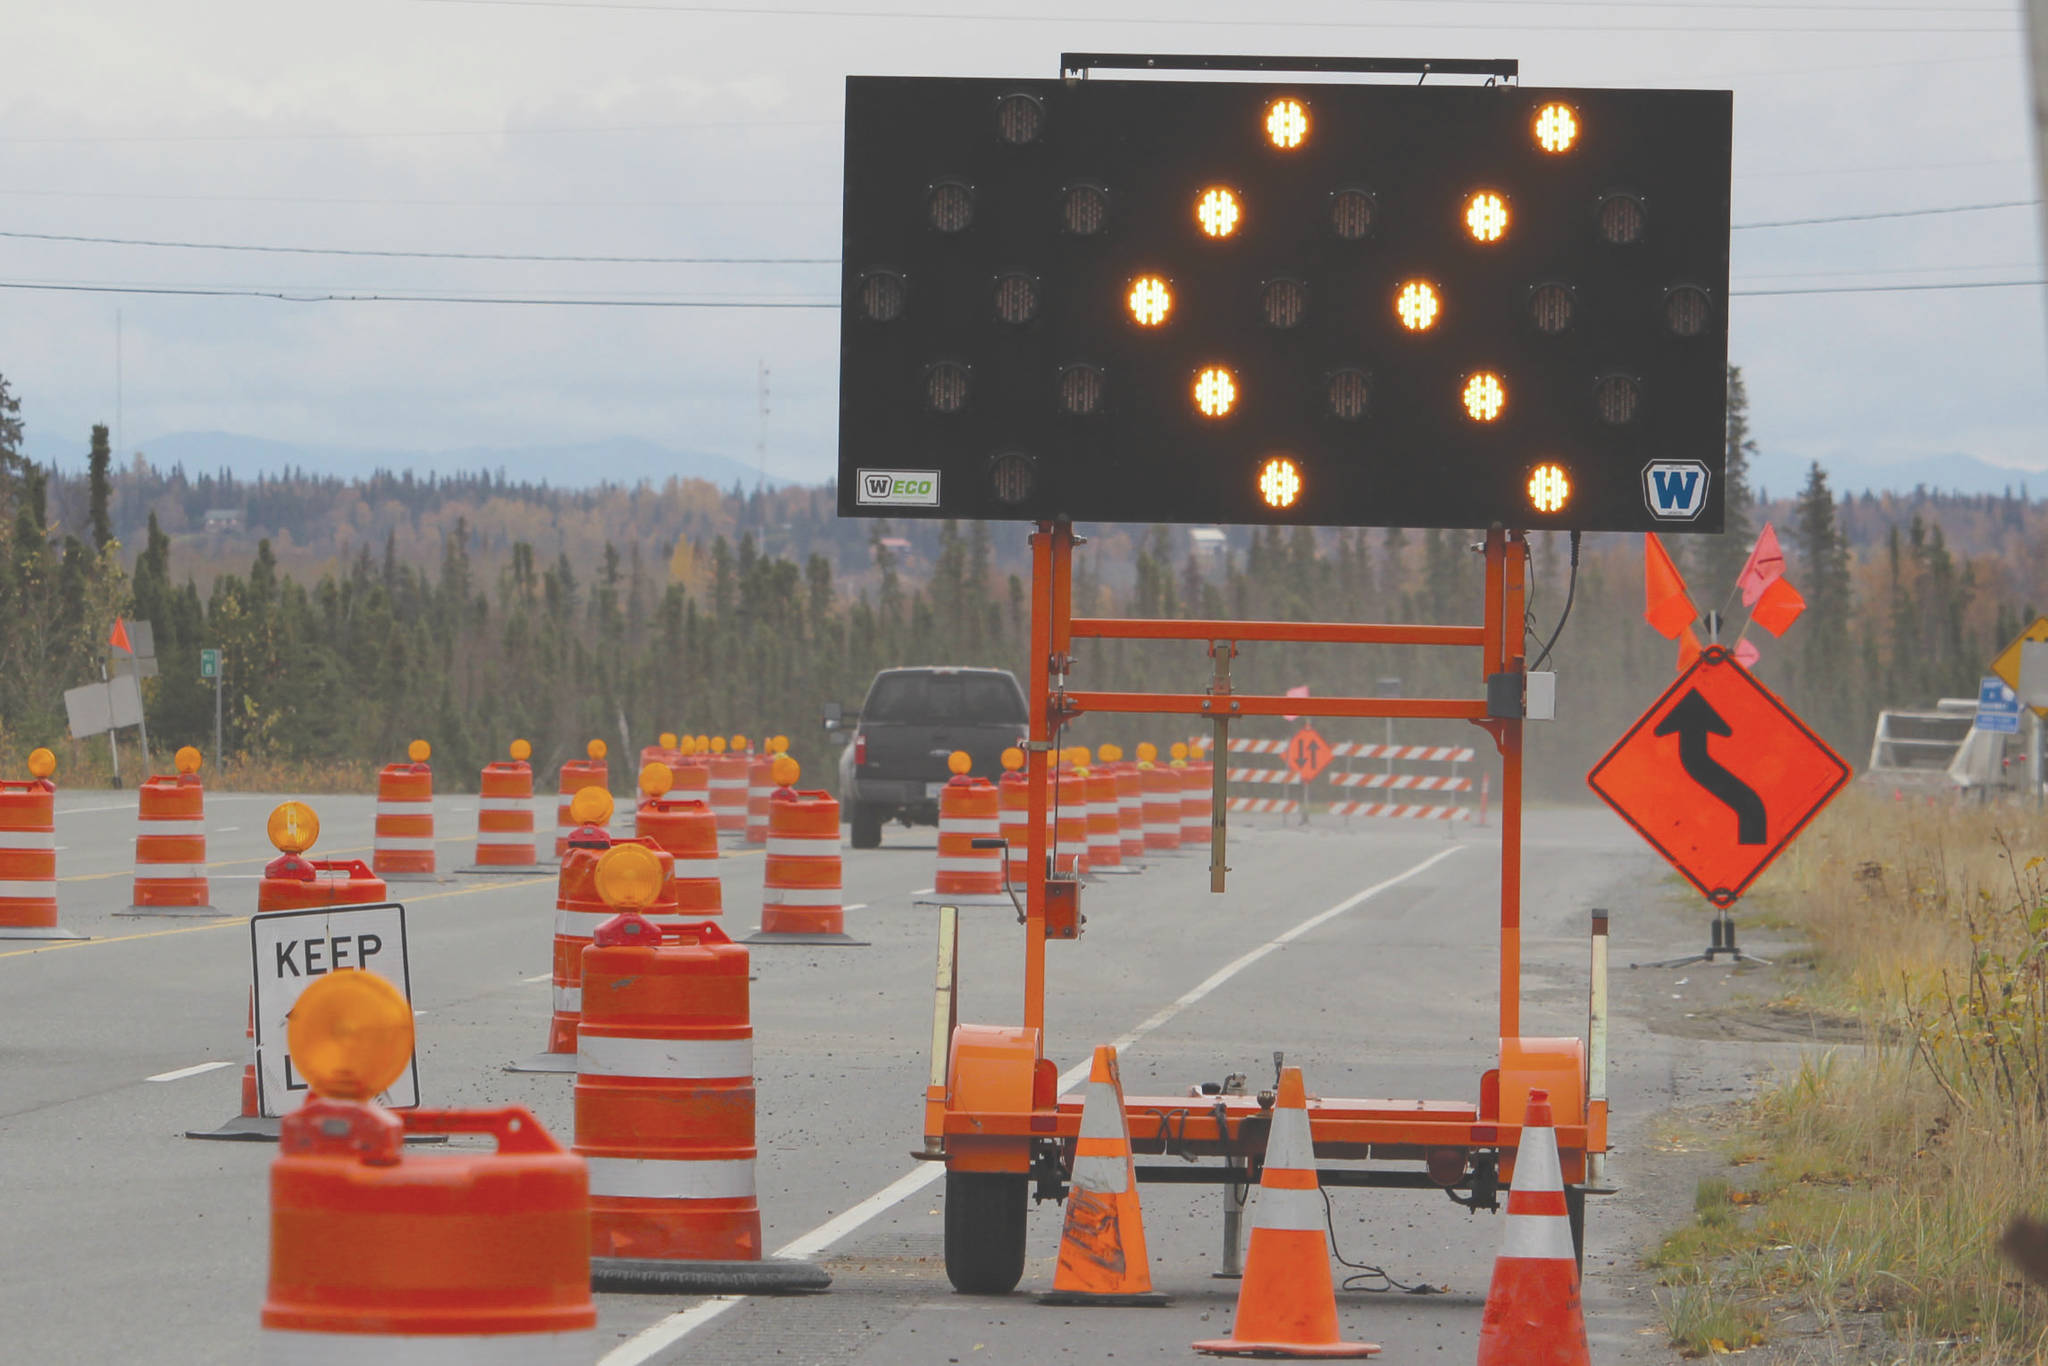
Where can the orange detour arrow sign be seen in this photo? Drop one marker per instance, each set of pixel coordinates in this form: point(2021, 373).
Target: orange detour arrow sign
point(1308, 754)
point(1719, 776)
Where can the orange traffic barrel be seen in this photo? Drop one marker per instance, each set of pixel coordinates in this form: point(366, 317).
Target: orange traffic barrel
point(1196, 797)
point(760, 785)
point(1070, 824)
point(967, 812)
point(1013, 817)
point(1161, 789)
point(1105, 841)
point(728, 776)
point(800, 897)
point(579, 910)
point(378, 1254)
point(505, 838)
point(170, 847)
point(576, 775)
point(28, 855)
point(1130, 810)
point(403, 845)
point(688, 833)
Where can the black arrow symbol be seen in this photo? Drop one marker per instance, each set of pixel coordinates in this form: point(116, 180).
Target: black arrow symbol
point(1692, 721)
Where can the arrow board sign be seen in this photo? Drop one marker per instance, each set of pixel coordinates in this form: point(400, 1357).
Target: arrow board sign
point(1719, 776)
point(292, 949)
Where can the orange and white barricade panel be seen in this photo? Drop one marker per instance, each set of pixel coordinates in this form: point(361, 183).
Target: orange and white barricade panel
point(28, 854)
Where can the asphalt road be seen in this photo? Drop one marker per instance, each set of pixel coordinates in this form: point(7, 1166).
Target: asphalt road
point(121, 1240)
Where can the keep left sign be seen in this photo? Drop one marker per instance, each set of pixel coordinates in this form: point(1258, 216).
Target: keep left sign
point(289, 950)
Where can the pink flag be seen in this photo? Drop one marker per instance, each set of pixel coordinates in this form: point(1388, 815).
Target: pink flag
point(1746, 654)
point(1298, 690)
point(1765, 566)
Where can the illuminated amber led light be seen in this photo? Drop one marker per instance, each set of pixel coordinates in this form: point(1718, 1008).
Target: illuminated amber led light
point(1215, 391)
point(1279, 482)
point(1486, 217)
point(1484, 397)
point(1548, 488)
point(1556, 128)
point(1417, 305)
point(1218, 212)
point(1286, 124)
point(1150, 300)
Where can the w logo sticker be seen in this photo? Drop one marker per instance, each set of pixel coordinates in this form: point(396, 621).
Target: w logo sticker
point(1676, 490)
point(877, 486)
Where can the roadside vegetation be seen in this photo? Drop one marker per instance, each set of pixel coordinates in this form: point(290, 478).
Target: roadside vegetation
point(1869, 1189)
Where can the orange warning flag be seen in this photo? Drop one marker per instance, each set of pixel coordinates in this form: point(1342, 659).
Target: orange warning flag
point(1665, 604)
point(1765, 566)
point(1779, 607)
point(119, 640)
point(1688, 647)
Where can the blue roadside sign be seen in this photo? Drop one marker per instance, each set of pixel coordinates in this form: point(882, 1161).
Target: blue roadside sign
point(1998, 707)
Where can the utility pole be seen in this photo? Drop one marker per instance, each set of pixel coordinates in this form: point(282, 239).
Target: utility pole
point(761, 403)
point(119, 439)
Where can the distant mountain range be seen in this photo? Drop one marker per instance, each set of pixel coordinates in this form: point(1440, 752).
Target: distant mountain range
point(618, 460)
point(628, 460)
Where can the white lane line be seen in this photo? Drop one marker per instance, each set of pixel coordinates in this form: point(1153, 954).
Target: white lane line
point(183, 1072)
point(226, 830)
point(924, 891)
point(544, 977)
point(89, 810)
point(642, 1348)
point(856, 906)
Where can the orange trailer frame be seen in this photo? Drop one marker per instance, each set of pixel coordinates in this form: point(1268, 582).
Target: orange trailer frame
point(991, 1109)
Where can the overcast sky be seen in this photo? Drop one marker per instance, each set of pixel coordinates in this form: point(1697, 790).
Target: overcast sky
point(644, 127)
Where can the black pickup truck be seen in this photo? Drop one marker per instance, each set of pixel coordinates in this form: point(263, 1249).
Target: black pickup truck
point(895, 761)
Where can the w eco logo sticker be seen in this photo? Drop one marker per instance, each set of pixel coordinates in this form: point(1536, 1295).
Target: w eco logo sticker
point(1676, 490)
point(899, 488)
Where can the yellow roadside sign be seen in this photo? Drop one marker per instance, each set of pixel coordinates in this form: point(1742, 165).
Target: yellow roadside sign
point(2007, 665)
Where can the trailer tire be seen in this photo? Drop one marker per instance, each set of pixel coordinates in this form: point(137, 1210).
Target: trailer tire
point(1575, 1212)
point(985, 1231)
point(867, 826)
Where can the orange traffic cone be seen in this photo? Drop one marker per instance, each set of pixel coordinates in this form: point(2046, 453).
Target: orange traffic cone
point(1102, 1250)
point(1286, 1306)
point(1533, 1316)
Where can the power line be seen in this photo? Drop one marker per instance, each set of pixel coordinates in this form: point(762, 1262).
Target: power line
point(928, 16)
point(284, 296)
point(428, 133)
point(1892, 213)
point(426, 203)
point(431, 255)
point(1889, 289)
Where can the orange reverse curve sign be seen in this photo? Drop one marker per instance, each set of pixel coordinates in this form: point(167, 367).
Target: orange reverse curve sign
point(1719, 776)
point(1308, 754)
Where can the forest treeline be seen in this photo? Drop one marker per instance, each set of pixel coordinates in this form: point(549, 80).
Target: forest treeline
point(355, 615)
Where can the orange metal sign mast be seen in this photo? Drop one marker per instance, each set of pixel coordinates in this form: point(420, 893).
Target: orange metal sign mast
point(1054, 628)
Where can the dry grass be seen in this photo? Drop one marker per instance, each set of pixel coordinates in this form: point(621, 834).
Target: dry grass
point(1880, 1177)
point(87, 764)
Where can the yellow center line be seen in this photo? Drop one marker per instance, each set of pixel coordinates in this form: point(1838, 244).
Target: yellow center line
point(495, 886)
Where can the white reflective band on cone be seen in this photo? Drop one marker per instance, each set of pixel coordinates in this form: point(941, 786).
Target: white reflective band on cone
point(1277, 1207)
point(1101, 1116)
point(1538, 1235)
point(801, 896)
point(655, 1178)
point(28, 839)
point(148, 871)
point(696, 868)
point(31, 891)
point(602, 1055)
point(1288, 1145)
point(404, 844)
point(1107, 1175)
point(796, 846)
point(969, 825)
point(1536, 1165)
point(504, 803)
point(728, 784)
point(181, 829)
point(569, 1000)
point(438, 1349)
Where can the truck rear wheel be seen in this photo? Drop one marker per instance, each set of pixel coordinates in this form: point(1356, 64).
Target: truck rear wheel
point(867, 826)
point(985, 1214)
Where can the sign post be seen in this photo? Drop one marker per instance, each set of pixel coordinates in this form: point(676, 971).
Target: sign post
point(288, 949)
point(209, 668)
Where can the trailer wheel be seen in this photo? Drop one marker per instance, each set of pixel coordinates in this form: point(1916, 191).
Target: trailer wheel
point(1575, 1211)
point(867, 826)
point(985, 1231)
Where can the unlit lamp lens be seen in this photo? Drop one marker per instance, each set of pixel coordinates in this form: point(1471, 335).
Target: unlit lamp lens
point(952, 206)
point(1149, 301)
point(881, 295)
point(1550, 308)
point(1351, 214)
point(1279, 482)
point(1020, 119)
point(1686, 310)
point(1486, 216)
point(946, 387)
point(1617, 398)
point(1557, 128)
point(1084, 210)
point(1349, 393)
point(1485, 396)
point(1016, 299)
point(1549, 489)
point(1283, 303)
point(1215, 392)
point(1622, 219)
point(1286, 124)
point(1218, 212)
point(1080, 390)
point(1011, 478)
point(1417, 305)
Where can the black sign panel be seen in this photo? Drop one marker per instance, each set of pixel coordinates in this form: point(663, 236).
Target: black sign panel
point(1354, 305)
